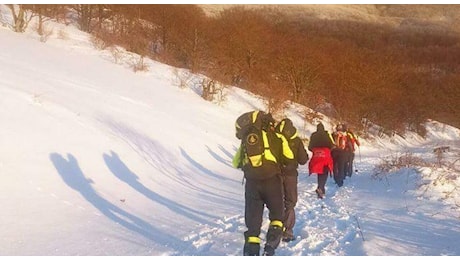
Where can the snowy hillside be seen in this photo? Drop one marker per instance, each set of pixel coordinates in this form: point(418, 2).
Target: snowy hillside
point(98, 160)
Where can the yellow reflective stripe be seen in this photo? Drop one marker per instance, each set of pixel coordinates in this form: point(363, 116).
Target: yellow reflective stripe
point(330, 137)
point(282, 126)
point(277, 223)
point(255, 240)
point(254, 116)
point(295, 135)
point(256, 160)
point(268, 153)
point(237, 158)
point(287, 152)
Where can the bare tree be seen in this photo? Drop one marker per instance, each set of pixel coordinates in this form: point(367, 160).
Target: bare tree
point(20, 17)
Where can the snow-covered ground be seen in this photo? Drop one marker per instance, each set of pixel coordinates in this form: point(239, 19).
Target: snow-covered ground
point(98, 160)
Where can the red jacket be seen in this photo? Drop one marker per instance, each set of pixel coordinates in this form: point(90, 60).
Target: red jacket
point(321, 157)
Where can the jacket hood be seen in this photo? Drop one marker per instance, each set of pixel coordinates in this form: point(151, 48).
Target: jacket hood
point(320, 127)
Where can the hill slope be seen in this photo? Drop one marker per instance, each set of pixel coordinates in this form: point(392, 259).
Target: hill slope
point(98, 160)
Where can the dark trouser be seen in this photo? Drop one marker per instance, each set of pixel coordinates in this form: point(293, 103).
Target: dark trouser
point(258, 193)
point(349, 163)
point(290, 200)
point(340, 159)
point(322, 178)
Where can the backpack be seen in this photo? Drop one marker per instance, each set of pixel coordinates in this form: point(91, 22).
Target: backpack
point(341, 140)
point(249, 130)
point(350, 142)
point(246, 121)
point(286, 128)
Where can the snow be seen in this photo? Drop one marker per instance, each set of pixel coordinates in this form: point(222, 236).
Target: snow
point(96, 159)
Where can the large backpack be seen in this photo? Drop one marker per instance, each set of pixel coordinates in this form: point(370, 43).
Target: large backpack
point(350, 144)
point(246, 121)
point(248, 128)
point(286, 128)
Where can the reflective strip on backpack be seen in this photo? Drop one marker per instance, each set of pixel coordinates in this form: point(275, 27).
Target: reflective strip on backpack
point(268, 154)
point(254, 116)
point(282, 126)
point(287, 152)
point(257, 160)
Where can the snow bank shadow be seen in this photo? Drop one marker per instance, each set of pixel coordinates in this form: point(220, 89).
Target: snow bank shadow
point(218, 157)
point(183, 176)
point(122, 172)
point(151, 151)
point(71, 174)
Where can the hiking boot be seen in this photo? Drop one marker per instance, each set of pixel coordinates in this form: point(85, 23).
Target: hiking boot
point(288, 236)
point(251, 249)
point(320, 193)
point(269, 251)
point(274, 235)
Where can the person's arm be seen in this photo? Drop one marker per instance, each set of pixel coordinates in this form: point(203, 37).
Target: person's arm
point(302, 155)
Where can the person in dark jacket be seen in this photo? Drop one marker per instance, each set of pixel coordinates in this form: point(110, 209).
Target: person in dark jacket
point(321, 163)
point(290, 174)
point(352, 141)
point(264, 187)
point(339, 154)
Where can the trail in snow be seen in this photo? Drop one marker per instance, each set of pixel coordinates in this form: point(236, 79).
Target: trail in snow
point(323, 227)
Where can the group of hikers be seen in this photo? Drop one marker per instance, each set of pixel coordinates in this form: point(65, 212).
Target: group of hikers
point(269, 155)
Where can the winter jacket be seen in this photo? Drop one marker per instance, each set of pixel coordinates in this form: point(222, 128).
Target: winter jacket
point(320, 138)
point(321, 158)
point(321, 143)
point(300, 157)
point(288, 130)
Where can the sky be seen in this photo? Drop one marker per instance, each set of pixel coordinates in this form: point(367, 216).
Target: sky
point(97, 160)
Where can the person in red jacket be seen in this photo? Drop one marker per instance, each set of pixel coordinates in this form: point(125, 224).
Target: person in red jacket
point(321, 163)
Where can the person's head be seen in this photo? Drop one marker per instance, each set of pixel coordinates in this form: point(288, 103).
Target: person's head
point(339, 127)
point(320, 127)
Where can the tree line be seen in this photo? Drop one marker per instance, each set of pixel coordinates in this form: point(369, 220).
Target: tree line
point(394, 76)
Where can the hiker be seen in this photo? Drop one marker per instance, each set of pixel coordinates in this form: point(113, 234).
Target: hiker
point(352, 140)
point(260, 156)
point(339, 155)
point(289, 174)
point(321, 162)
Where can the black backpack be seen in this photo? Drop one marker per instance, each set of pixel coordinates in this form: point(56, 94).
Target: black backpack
point(286, 128)
point(249, 130)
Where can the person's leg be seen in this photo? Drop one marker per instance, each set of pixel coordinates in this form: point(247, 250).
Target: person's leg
point(322, 178)
point(254, 208)
point(290, 200)
point(273, 197)
point(341, 168)
point(351, 159)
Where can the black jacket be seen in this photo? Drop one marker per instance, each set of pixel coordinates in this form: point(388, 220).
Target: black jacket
point(300, 157)
point(320, 138)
